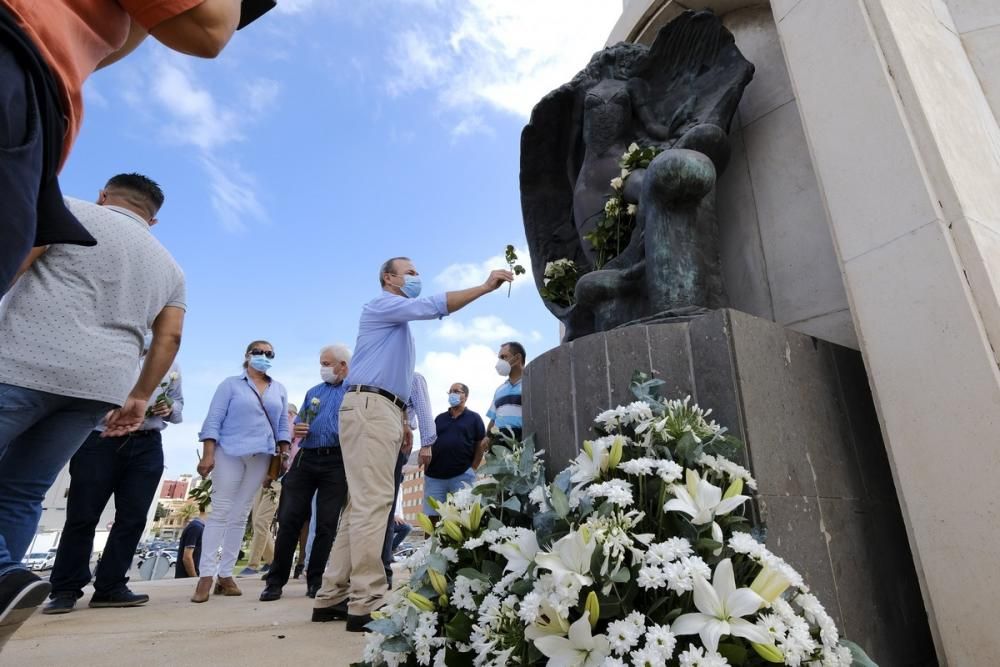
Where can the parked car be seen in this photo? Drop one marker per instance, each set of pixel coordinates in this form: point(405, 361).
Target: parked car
point(40, 560)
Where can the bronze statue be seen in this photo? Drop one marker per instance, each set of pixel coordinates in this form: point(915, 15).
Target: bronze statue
point(677, 97)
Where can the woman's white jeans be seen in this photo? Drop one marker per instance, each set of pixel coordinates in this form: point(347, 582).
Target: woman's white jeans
point(235, 481)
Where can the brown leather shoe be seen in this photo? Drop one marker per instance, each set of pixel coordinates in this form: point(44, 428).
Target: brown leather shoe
point(203, 589)
point(227, 586)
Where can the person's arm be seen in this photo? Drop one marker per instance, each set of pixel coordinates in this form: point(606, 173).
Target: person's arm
point(28, 261)
point(422, 408)
point(406, 446)
point(300, 428)
point(136, 33)
point(167, 328)
point(203, 30)
point(482, 441)
point(284, 438)
point(188, 560)
point(462, 298)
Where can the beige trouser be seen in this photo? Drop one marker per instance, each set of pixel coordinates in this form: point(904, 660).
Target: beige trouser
point(371, 432)
point(262, 544)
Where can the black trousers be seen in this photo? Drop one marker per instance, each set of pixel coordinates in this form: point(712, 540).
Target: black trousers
point(390, 529)
point(318, 472)
point(128, 467)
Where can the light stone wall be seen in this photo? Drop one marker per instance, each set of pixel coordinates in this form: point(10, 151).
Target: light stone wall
point(899, 102)
point(778, 258)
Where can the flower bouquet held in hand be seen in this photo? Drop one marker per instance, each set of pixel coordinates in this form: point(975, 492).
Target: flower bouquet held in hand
point(310, 411)
point(163, 398)
point(639, 553)
point(510, 256)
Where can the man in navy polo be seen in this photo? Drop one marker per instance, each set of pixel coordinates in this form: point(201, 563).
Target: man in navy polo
point(461, 440)
point(373, 428)
point(318, 469)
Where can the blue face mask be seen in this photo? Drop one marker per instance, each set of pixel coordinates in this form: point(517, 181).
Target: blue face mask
point(411, 286)
point(454, 400)
point(260, 363)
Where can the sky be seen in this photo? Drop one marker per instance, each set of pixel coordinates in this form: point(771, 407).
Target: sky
point(326, 138)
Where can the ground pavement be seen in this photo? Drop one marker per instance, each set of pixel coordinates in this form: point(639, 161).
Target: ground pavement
point(171, 630)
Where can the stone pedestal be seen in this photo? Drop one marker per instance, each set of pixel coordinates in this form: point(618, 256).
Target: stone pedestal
point(805, 412)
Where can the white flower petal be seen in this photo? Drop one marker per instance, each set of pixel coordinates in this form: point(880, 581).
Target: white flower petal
point(743, 602)
point(690, 624)
point(711, 632)
point(724, 583)
point(748, 630)
point(729, 504)
point(706, 599)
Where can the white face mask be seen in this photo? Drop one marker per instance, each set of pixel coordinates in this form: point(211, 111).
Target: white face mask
point(327, 374)
point(503, 368)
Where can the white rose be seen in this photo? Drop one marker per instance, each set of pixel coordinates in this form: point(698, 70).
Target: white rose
point(631, 209)
point(617, 183)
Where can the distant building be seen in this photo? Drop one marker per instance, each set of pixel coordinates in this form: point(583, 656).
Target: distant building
point(411, 493)
point(175, 489)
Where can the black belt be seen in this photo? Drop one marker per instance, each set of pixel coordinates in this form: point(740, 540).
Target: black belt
point(320, 451)
point(396, 400)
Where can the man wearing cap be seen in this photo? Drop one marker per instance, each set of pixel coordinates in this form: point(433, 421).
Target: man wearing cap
point(373, 425)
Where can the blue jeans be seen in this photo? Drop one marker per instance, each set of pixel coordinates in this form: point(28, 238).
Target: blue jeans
point(128, 467)
point(39, 433)
point(438, 489)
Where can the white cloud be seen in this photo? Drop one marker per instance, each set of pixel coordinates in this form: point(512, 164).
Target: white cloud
point(472, 365)
point(477, 330)
point(192, 113)
point(92, 96)
point(195, 116)
point(233, 194)
point(497, 53)
point(460, 276)
point(470, 125)
point(295, 6)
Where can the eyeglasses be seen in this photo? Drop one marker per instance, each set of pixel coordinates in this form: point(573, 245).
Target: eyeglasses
point(257, 352)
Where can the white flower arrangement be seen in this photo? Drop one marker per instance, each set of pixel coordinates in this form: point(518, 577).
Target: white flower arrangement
point(638, 553)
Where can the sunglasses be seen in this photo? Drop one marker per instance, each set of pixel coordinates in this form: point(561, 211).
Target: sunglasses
point(256, 353)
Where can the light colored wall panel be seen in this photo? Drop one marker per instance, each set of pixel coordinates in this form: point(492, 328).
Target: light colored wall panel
point(971, 15)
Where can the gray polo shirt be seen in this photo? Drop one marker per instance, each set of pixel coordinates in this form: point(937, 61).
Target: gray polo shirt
point(73, 325)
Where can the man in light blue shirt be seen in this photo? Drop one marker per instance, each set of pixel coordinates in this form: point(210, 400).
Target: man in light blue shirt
point(373, 426)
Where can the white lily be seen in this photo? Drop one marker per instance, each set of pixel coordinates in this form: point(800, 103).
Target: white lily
point(548, 623)
point(570, 556)
point(519, 552)
point(701, 500)
point(721, 606)
point(592, 461)
point(580, 649)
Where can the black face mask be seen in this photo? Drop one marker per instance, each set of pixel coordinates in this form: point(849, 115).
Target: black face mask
point(251, 10)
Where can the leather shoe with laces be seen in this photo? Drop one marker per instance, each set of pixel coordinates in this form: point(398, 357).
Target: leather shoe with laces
point(270, 593)
point(122, 598)
point(60, 604)
point(337, 612)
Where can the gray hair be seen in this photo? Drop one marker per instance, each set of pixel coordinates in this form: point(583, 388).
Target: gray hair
point(339, 351)
point(387, 268)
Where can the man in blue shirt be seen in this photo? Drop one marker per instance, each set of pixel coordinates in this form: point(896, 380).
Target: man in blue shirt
point(460, 442)
point(373, 428)
point(318, 469)
point(505, 411)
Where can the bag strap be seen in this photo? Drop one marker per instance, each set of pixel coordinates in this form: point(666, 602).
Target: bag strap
point(260, 400)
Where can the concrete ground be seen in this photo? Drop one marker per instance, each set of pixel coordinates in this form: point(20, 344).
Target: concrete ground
point(171, 630)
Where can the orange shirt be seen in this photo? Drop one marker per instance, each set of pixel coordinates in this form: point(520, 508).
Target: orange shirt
point(74, 36)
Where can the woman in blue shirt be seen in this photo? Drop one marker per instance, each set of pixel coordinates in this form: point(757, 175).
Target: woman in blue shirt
point(246, 420)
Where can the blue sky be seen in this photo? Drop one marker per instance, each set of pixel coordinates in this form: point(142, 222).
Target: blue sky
point(327, 137)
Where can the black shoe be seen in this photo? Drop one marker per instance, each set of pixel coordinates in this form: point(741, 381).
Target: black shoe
point(266, 567)
point(337, 612)
point(20, 593)
point(270, 593)
point(358, 623)
point(60, 604)
point(122, 598)
point(299, 568)
point(311, 591)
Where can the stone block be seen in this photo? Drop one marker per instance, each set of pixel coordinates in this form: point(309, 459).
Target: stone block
point(561, 441)
point(757, 38)
point(983, 47)
point(670, 356)
point(854, 182)
point(836, 327)
point(590, 382)
point(744, 272)
point(713, 370)
point(974, 15)
point(628, 351)
point(802, 266)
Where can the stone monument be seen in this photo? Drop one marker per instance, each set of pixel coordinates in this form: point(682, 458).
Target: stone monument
point(802, 406)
